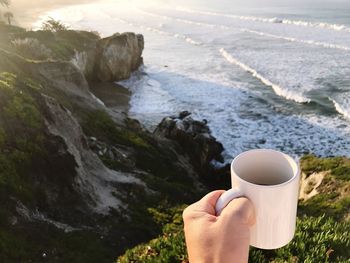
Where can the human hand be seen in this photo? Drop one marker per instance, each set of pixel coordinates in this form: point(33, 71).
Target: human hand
point(218, 239)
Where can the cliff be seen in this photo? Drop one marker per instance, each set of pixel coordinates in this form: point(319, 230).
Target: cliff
point(101, 59)
point(78, 181)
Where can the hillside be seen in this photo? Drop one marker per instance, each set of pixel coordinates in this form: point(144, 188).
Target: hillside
point(78, 180)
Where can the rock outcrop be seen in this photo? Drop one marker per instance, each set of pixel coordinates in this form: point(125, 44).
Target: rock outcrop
point(117, 56)
point(59, 77)
point(85, 61)
point(194, 137)
point(100, 59)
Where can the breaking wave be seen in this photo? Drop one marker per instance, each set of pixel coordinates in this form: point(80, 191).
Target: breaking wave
point(292, 39)
point(275, 20)
point(277, 89)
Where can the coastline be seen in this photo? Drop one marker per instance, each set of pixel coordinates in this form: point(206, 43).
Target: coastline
point(27, 13)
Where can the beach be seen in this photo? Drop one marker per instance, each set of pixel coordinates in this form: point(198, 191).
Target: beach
point(27, 12)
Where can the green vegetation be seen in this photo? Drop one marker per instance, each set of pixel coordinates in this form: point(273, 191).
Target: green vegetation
point(43, 243)
point(170, 247)
point(51, 43)
point(53, 25)
point(333, 198)
point(166, 177)
point(99, 123)
point(317, 239)
point(33, 169)
point(338, 166)
point(62, 44)
point(20, 114)
point(322, 233)
point(31, 48)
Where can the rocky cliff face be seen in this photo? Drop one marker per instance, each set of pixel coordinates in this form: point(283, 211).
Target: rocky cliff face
point(73, 175)
point(100, 59)
point(117, 56)
point(112, 58)
point(194, 137)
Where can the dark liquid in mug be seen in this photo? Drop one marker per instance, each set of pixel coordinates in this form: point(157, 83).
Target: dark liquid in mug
point(265, 176)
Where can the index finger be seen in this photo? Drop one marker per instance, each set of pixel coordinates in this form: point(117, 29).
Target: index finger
point(204, 206)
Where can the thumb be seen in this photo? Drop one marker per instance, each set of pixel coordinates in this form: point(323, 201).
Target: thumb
point(242, 209)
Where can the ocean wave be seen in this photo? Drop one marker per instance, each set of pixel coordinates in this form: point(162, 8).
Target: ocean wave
point(340, 109)
point(161, 32)
point(275, 20)
point(292, 39)
point(191, 22)
point(276, 88)
point(188, 39)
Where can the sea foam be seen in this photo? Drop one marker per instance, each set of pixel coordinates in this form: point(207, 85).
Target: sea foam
point(260, 33)
point(275, 20)
point(341, 109)
point(292, 39)
point(277, 89)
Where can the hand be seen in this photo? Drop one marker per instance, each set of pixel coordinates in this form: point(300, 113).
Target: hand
point(218, 239)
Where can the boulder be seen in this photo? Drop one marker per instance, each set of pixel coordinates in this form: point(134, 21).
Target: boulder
point(117, 56)
point(194, 137)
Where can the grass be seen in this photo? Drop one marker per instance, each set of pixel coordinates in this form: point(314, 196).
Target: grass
point(99, 124)
point(20, 115)
point(334, 192)
point(63, 44)
point(338, 166)
point(322, 233)
point(317, 239)
point(43, 243)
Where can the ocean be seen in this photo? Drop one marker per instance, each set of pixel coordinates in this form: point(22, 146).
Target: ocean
point(273, 77)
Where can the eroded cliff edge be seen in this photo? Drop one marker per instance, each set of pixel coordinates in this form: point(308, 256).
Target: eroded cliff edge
point(79, 182)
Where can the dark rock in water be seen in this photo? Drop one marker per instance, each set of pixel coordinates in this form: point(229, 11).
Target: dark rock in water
point(184, 114)
point(195, 139)
point(262, 141)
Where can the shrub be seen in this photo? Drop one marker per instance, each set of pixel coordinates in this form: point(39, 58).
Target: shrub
point(53, 25)
point(21, 135)
point(31, 48)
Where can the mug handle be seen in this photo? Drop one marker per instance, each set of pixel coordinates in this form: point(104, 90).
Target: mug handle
point(225, 198)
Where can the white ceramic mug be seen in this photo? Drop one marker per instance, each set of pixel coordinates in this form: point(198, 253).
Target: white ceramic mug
point(274, 196)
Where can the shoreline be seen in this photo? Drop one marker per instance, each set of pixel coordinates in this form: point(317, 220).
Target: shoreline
point(25, 13)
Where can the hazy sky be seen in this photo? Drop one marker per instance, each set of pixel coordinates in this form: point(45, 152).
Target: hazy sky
point(27, 11)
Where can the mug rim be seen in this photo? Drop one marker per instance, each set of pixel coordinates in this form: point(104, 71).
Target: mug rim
point(289, 158)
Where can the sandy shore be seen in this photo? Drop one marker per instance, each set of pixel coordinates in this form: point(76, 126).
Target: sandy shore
point(27, 12)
